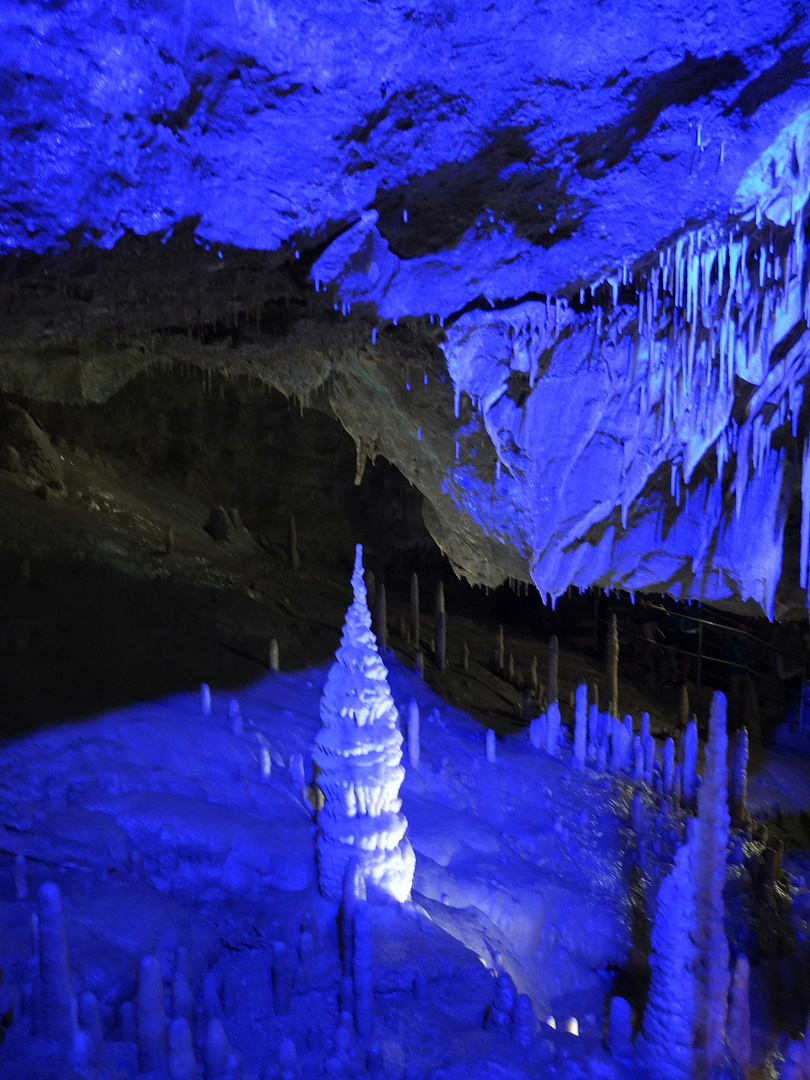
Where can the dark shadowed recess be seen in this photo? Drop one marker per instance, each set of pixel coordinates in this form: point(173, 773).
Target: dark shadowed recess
point(504, 181)
point(99, 619)
point(682, 84)
point(792, 66)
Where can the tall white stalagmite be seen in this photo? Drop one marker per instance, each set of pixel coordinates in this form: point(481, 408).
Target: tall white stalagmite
point(359, 754)
point(710, 876)
point(666, 1043)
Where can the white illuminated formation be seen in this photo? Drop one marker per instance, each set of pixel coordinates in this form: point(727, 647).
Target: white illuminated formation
point(358, 752)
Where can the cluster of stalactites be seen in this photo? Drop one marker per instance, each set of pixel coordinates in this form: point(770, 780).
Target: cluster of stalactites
point(695, 326)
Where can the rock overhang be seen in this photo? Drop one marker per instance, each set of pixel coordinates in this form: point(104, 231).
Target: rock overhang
point(445, 175)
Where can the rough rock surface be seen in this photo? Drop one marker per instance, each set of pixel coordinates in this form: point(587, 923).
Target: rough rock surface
point(584, 227)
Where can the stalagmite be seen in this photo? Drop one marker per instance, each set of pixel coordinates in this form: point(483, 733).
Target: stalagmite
point(553, 729)
point(688, 778)
point(612, 666)
point(465, 657)
point(414, 610)
point(353, 888)
point(441, 640)
point(537, 732)
point(666, 1042)
point(510, 668)
point(620, 743)
point(553, 668)
point(150, 1017)
point(648, 746)
point(295, 561)
point(738, 778)
point(216, 1050)
point(683, 706)
point(580, 726)
point(527, 707)
point(182, 998)
point(297, 775)
point(182, 1063)
point(620, 1028)
point(413, 734)
point(499, 649)
point(90, 1021)
point(419, 664)
point(20, 877)
point(282, 979)
point(710, 875)
point(490, 746)
point(739, 1017)
point(55, 1009)
point(273, 655)
point(235, 717)
point(638, 761)
point(669, 765)
point(205, 699)
point(439, 608)
point(593, 730)
point(361, 969)
point(381, 617)
point(358, 752)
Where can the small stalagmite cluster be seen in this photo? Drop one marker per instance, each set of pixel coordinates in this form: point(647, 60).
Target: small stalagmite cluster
point(358, 754)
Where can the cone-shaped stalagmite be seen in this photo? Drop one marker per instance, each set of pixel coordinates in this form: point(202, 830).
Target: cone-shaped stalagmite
point(358, 752)
point(612, 667)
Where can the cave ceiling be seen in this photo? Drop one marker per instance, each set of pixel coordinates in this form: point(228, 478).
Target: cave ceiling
point(550, 260)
